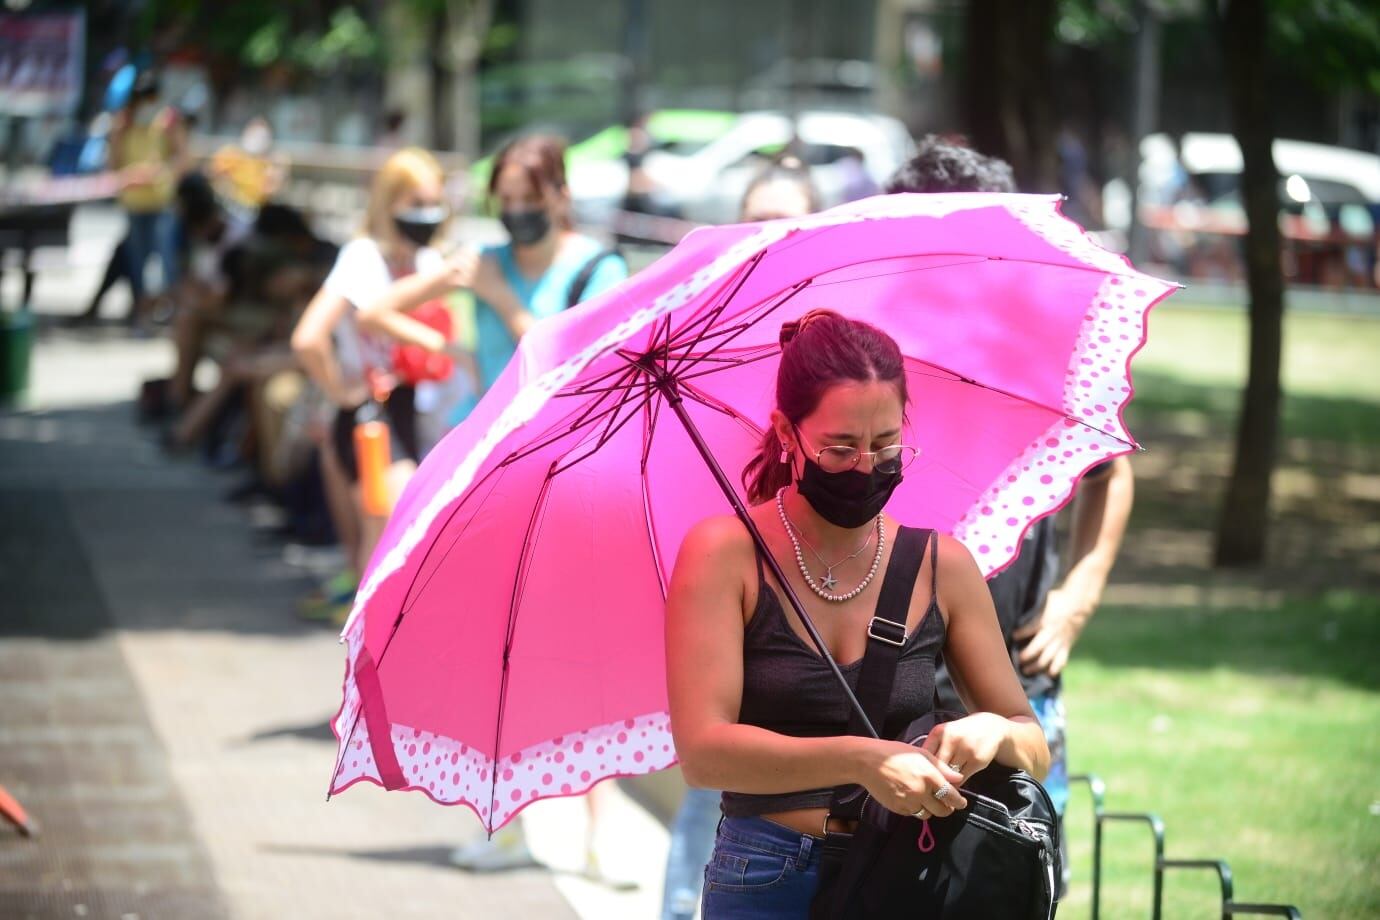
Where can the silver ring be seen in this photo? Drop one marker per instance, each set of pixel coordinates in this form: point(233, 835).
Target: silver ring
point(957, 768)
point(943, 791)
point(922, 814)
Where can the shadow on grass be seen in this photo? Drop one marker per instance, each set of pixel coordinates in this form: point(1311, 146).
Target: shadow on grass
point(1160, 396)
point(1333, 636)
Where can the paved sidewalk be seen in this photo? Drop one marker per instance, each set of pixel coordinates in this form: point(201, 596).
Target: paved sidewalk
point(166, 716)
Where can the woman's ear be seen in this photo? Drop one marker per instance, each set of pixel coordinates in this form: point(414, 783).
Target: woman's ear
point(785, 431)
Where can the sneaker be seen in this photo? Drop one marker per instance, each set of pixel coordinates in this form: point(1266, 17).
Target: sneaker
point(502, 851)
point(594, 871)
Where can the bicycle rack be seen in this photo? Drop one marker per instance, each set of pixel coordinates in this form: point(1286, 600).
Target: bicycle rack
point(1230, 908)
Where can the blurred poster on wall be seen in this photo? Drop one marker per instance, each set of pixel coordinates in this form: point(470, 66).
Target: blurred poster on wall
point(41, 58)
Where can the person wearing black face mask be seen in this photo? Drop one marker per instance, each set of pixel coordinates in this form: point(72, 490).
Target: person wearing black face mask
point(545, 266)
point(755, 711)
point(419, 225)
point(351, 359)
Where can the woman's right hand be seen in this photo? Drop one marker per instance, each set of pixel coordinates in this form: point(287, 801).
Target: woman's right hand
point(904, 779)
point(461, 268)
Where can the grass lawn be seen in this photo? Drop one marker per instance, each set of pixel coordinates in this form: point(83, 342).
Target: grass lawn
point(1252, 733)
point(1242, 708)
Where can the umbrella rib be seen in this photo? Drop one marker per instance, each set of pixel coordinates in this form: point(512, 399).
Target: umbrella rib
point(770, 352)
point(588, 385)
point(745, 271)
point(959, 378)
point(723, 408)
point(651, 413)
point(519, 575)
point(613, 427)
point(583, 420)
point(739, 330)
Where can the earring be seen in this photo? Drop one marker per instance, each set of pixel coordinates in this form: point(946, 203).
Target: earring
point(785, 453)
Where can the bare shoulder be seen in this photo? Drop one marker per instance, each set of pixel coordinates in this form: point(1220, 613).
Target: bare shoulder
point(959, 576)
point(719, 540)
point(954, 556)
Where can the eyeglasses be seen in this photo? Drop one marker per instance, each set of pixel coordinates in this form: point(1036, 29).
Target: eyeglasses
point(840, 458)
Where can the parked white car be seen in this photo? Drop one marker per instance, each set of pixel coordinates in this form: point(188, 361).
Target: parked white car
point(706, 185)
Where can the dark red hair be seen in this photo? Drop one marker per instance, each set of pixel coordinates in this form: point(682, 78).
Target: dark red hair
point(541, 157)
point(820, 350)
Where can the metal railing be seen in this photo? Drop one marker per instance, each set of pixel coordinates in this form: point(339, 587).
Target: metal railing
point(1097, 791)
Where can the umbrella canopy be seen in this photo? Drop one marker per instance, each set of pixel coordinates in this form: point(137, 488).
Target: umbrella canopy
point(506, 643)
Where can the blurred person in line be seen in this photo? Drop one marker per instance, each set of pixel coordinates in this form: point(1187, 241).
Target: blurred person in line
point(212, 234)
point(638, 196)
point(857, 181)
point(1041, 615)
point(781, 190)
point(392, 136)
point(249, 288)
point(353, 365)
point(545, 267)
point(148, 153)
point(248, 174)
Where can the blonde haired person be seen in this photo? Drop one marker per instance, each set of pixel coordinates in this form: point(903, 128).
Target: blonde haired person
point(351, 365)
point(546, 266)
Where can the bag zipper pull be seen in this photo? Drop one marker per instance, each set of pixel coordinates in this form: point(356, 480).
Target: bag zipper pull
point(926, 839)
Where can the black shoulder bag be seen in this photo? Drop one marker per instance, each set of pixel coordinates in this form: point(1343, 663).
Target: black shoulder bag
point(996, 859)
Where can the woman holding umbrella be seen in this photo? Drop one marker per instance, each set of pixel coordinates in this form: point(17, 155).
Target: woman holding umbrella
point(754, 709)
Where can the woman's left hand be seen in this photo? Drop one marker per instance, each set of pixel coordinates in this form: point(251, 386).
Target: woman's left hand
point(968, 744)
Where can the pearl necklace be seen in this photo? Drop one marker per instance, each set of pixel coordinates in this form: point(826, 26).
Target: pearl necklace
point(829, 580)
point(805, 571)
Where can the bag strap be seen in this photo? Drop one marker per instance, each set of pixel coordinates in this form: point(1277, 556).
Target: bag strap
point(581, 280)
point(885, 640)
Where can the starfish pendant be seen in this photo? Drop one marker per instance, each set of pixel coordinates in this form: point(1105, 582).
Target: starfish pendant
point(829, 580)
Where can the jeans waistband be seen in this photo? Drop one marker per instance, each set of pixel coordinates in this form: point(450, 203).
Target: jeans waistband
point(768, 837)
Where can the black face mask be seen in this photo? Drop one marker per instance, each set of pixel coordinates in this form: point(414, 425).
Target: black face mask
point(848, 499)
point(419, 225)
point(526, 227)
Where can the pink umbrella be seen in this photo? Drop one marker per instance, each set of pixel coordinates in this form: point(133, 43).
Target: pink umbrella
point(506, 643)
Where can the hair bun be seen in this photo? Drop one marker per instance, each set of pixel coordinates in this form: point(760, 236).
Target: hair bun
point(796, 326)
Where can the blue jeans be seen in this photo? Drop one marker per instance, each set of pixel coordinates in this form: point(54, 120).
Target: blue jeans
point(149, 234)
point(760, 870)
point(692, 840)
point(1049, 709)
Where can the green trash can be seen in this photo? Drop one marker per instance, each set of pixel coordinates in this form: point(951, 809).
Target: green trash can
point(16, 344)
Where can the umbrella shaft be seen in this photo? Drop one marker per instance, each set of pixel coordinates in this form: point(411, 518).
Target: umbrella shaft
point(674, 400)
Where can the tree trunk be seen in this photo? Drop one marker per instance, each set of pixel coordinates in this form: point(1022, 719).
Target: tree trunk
point(408, 84)
point(1009, 112)
point(1242, 532)
point(1145, 111)
point(466, 26)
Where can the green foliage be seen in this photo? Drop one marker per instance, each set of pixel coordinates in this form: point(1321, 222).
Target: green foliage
point(321, 37)
point(347, 38)
point(1332, 43)
point(1336, 43)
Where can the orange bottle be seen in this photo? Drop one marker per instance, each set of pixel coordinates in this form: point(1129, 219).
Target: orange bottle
point(373, 456)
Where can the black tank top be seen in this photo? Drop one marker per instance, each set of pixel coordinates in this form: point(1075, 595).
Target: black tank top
point(787, 687)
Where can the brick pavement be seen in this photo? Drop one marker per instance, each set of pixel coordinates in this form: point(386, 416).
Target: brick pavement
point(164, 716)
